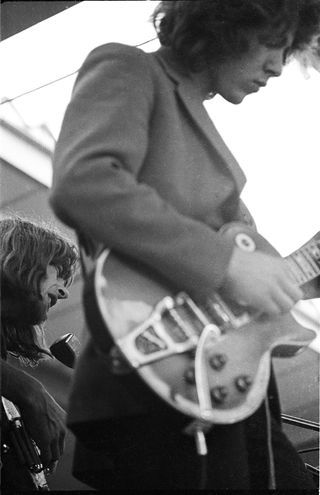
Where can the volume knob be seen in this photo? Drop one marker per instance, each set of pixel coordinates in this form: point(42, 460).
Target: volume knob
point(243, 382)
point(218, 394)
point(217, 361)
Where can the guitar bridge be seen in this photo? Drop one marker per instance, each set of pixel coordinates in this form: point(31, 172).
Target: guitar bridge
point(173, 327)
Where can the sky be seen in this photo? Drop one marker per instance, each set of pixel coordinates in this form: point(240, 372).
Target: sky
point(273, 133)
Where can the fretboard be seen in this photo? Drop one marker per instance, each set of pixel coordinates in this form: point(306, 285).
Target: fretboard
point(305, 262)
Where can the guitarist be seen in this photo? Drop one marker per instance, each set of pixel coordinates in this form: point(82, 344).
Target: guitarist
point(37, 265)
point(139, 168)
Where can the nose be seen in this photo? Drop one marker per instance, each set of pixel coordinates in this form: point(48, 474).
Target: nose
point(274, 65)
point(62, 293)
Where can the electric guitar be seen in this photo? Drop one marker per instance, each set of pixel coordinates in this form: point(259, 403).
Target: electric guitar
point(208, 359)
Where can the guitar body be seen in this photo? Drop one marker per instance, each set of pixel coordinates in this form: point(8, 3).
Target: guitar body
point(208, 360)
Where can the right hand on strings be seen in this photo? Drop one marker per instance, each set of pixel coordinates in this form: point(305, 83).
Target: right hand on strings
point(262, 282)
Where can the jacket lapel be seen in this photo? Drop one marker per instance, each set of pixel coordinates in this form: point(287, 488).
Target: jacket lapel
point(189, 96)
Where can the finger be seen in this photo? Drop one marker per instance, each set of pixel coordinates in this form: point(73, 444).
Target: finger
point(283, 302)
point(289, 295)
point(289, 284)
point(269, 307)
point(276, 302)
point(295, 293)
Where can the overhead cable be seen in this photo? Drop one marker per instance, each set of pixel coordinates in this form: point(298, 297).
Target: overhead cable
point(9, 100)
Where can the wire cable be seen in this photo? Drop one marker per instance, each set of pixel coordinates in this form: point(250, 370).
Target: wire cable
point(305, 451)
point(10, 100)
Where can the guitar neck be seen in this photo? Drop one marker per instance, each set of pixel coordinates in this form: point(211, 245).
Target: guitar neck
point(305, 262)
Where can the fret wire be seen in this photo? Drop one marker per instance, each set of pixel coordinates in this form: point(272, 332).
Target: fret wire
point(296, 270)
point(308, 263)
point(314, 250)
point(311, 260)
point(301, 259)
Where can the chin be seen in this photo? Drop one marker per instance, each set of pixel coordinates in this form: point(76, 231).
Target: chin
point(234, 95)
point(234, 99)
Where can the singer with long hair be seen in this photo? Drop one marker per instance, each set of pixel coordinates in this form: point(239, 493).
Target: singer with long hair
point(37, 266)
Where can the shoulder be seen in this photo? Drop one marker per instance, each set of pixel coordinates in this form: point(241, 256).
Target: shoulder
point(118, 49)
point(115, 62)
point(114, 70)
point(117, 54)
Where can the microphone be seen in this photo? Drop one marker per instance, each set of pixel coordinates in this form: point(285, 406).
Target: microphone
point(66, 349)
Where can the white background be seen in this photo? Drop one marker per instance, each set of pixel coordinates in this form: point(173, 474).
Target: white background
point(274, 134)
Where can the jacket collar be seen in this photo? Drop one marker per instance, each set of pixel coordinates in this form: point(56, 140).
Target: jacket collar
point(191, 97)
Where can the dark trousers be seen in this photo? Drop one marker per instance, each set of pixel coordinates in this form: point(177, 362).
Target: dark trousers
point(150, 452)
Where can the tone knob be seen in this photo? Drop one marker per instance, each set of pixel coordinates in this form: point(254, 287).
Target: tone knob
point(243, 382)
point(217, 361)
point(218, 394)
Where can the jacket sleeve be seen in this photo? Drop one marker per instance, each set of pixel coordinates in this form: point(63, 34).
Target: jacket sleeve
point(245, 215)
point(100, 151)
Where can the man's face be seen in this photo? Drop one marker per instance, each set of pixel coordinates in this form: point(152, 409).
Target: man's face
point(238, 77)
point(52, 288)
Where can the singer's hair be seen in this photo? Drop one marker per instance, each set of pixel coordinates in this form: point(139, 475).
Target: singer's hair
point(27, 248)
point(204, 31)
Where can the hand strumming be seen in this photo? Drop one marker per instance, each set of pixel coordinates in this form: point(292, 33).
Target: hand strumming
point(262, 282)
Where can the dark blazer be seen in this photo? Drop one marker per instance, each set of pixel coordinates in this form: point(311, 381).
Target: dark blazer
point(140, 168)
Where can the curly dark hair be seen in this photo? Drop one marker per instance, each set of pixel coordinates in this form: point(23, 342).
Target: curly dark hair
point(202, 31)
point(26, 250)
